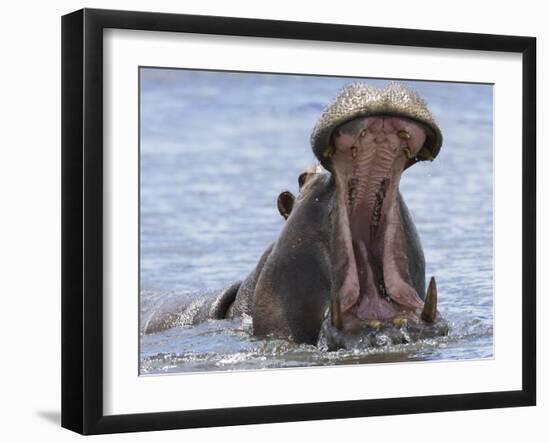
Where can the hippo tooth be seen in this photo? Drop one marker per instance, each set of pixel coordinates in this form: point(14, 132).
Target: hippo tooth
point(425, 154)
point(353, 151)
point(408, 153)
point(430, 303)
point(399, 322)
point(363, 133)
point(328, 152)
point(376, 324)
point(404, 135)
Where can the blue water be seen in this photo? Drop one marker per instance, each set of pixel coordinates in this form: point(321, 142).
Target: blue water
point(217, 149)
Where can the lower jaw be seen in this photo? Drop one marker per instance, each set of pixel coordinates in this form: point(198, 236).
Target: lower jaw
point(380, 335)
point(373, 245)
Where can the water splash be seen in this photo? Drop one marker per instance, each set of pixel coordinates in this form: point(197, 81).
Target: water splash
point(220, 345)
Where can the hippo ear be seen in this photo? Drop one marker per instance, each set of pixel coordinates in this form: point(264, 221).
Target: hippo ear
point(285, 203)
point(302, 179)
point(308, 174)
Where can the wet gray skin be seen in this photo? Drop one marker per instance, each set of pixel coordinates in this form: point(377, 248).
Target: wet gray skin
point(348, 267)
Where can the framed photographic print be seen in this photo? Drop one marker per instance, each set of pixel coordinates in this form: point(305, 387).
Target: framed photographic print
point(318, 220)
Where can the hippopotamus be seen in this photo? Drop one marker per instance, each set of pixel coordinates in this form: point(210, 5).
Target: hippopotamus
point(348, 265)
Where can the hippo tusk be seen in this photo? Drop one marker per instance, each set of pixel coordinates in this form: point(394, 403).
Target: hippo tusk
point(430, 303)
point(335, 311)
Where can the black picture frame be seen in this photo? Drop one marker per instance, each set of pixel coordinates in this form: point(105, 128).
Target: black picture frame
point(82, 220)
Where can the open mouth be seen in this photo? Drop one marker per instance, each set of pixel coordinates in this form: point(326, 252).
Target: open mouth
point(373, 274)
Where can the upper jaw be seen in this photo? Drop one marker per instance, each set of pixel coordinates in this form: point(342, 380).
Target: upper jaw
point(373, 131)
point(360, 99)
